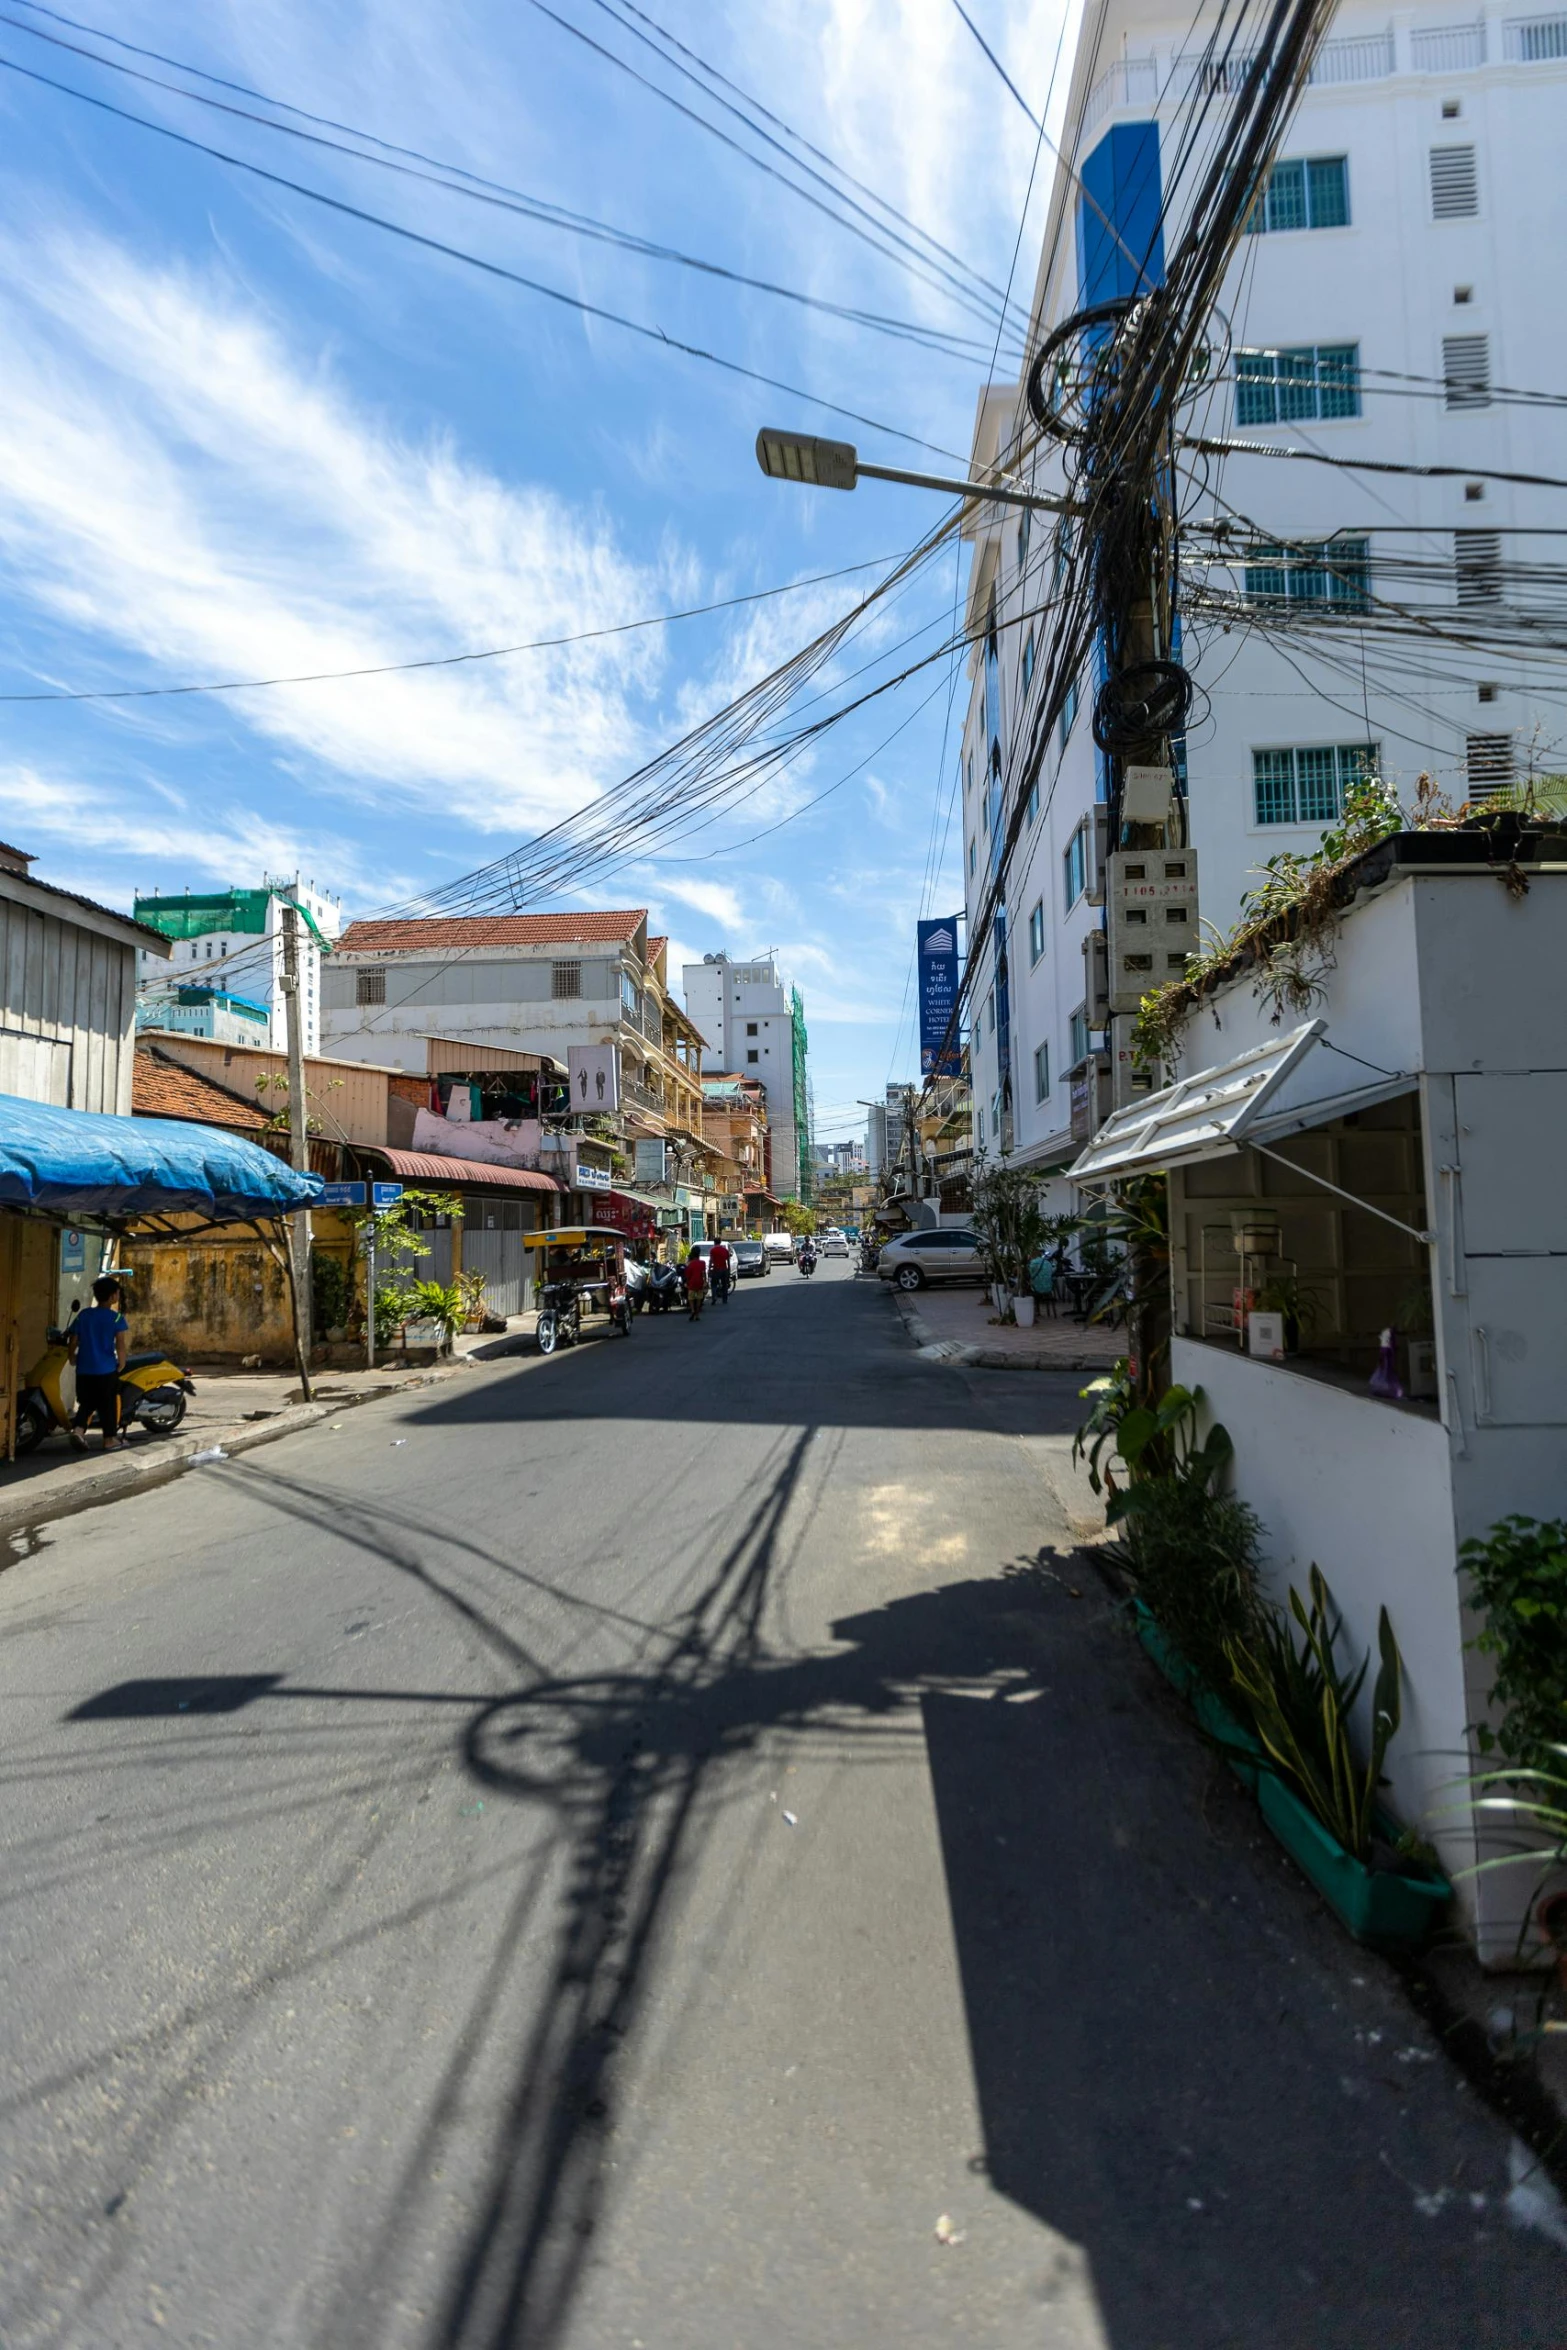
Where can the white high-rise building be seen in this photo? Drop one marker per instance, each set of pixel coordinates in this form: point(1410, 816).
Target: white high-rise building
point(1390, 298)
point(221, 979)
point(754, 1025)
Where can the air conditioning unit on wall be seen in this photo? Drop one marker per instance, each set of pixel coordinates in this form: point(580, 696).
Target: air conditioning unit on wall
point(1150, 920)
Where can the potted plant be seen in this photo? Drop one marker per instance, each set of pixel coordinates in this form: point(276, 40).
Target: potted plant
point(1320, 1802)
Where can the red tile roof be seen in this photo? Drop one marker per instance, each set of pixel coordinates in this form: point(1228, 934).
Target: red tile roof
point(491, 930)
point(161, 1088)
point(472, 1174)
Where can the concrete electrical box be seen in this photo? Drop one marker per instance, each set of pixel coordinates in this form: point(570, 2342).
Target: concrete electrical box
point(1150, 919)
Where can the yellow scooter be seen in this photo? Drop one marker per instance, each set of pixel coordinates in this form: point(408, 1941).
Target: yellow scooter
point(153, 1393)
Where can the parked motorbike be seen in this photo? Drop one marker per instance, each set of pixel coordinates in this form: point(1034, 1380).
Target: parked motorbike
point(153, 1393)
point(662, 1288)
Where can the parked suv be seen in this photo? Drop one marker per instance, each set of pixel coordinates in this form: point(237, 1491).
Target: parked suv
point(914, 1258)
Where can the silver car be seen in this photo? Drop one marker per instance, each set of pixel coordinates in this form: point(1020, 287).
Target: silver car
point(914, 1258)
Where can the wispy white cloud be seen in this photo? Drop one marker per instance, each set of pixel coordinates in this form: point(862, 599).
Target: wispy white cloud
point(184, 487)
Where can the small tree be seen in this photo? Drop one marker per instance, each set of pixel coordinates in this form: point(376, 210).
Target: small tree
point(798, 1218)
point(397, 1247)
point(1010, 1223)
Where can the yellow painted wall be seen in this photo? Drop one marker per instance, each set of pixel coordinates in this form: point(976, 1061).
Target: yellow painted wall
point(218, 1296)
point(27, 1282)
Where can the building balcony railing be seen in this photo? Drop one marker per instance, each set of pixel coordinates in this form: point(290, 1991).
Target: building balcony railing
point(643, 1097)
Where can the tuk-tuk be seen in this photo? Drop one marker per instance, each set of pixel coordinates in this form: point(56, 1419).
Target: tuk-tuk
point(581, 1277)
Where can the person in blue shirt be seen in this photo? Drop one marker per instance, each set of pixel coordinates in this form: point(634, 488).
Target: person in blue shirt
point(100, 1341)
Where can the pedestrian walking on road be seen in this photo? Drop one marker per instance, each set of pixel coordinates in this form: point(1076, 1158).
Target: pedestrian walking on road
point(99, 1343)
point(723, 1274)
point(695, 1278)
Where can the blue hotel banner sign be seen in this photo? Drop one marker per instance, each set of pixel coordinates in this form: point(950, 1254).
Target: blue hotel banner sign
point(937, 963)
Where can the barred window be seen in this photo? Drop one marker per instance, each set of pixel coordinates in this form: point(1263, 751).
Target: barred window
point(1327, 571)
point(1309, 194)
point(1316, 383)
point(1308, 786)
point(369, 987)
point(565, 979)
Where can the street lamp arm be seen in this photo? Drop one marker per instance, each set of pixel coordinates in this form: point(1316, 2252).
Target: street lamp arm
point(837, 465)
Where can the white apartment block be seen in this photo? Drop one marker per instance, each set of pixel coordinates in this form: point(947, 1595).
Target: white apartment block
point(754, 1024)
point(230, 942)
point(1397, 289)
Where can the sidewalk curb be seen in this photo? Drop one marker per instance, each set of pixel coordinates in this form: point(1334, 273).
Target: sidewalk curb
point(23, 1513)
point(960, 1355)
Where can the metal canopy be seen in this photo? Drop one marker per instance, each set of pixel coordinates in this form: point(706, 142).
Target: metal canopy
point(1209, 1115)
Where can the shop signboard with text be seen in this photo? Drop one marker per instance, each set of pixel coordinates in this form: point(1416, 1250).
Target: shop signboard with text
point(936, 960)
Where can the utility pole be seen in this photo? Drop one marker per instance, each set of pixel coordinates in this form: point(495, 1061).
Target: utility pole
point(298, 1141)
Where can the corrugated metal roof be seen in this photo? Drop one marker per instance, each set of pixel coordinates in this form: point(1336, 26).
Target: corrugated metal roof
point(426, 1167)
point(491, 930)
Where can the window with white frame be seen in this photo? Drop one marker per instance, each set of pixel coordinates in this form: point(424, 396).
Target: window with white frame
point(1307, 785)
point(1041, 1073)
point(1077, 1035)
point(1036, 931)
point(1327, 571)
point(1028, 662)
point(990, 1013)
point(1068, 713)
point(1022, 538)
point(1074, 866)
point(1310, 193)
point(1032, 810)
point(972, 855)
point(1313, 383)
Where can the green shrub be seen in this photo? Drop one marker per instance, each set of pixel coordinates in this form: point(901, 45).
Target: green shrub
point(1518, 1576)
point(1192, 1555)
point(329, 1292)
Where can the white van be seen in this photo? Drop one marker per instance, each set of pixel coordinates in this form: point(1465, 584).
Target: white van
point(779, 1247)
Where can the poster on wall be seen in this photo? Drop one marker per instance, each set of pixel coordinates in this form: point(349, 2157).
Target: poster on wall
point(594, 1071)
point(937, 962)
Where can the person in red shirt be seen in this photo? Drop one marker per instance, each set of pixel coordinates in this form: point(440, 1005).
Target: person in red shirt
point(694, 1276)
point(723, 1271)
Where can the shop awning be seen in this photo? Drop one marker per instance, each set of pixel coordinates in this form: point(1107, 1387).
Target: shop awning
point(466, 1174)
point(85, 1163)
point(1244, 1103)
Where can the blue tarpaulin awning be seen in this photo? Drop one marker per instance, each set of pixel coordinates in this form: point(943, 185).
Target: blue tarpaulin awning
point(83, 1163)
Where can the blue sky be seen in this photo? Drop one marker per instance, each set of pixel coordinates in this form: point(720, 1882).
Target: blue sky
point(242, 435)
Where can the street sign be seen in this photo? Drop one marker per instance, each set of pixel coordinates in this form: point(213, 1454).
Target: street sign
point(343, 1195)
point(385, 1195)
point(593, 1178)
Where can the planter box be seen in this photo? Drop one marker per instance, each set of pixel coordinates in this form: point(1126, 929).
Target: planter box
point(1241, 1750)
point(1023, 1308)
point(1376, 1906)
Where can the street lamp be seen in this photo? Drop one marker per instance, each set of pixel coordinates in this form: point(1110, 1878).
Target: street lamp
point(837, 465)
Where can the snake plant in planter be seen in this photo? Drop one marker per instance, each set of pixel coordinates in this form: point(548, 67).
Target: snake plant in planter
point(1319, 1801)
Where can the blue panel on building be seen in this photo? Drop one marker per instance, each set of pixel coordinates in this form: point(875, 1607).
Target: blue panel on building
point(1120, 242)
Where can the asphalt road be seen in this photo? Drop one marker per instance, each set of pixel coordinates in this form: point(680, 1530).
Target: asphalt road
point(614, 1851)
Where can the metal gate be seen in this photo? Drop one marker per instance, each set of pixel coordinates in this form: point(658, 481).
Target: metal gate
point(492, 1245)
